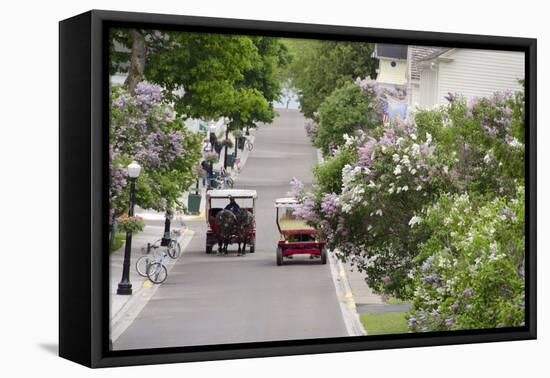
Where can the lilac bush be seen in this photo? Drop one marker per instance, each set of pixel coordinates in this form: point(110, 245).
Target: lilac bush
point(470, 271)
point(144, 128)
point(374, 217)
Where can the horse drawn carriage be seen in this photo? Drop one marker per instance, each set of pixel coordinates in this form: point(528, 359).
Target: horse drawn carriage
point(297, 237)
point(230, 220)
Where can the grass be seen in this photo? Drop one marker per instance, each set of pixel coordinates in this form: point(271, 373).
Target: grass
point(384, 323)
point(394, 301)
point(118, 242)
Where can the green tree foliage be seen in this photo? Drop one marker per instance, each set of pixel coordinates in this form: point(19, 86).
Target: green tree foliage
point(264, 76)
point(344, 111)
point(205, 74)
point(320, 67)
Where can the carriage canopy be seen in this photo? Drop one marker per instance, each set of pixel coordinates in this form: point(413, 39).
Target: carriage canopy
point(235, 193)
point(286, 202)
point(287, 222)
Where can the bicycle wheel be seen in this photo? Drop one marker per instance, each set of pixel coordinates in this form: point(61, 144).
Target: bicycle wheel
point(157, 273)
point(174, 249)
point(143, 263)
point(230, 182)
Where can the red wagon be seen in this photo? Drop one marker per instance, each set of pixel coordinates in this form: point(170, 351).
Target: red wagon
point(297, 237)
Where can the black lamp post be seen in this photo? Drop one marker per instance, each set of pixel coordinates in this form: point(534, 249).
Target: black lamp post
point(166, 237)
point(124, 286)
point(225, 151)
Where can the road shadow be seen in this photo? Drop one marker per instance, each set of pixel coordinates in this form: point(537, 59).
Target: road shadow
point(301, 262)
point(52, 348)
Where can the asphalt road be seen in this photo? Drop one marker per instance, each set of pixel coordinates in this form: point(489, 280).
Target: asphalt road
point(210, 299)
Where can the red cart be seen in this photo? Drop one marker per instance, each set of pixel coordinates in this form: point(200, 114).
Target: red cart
point(297, 237)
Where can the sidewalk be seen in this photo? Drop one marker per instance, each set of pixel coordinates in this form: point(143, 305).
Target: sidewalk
point(362, 293)
point(365, 299)
point(241, 154)
point(124, 307)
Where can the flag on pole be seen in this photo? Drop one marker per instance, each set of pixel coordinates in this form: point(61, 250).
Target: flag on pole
point(394, 110)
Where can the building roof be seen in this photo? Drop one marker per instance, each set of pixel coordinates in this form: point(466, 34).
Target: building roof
point(383, 50)
point(422, 53)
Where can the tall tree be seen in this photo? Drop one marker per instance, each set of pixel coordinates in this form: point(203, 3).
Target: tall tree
point(320, 67)
point(204, 74)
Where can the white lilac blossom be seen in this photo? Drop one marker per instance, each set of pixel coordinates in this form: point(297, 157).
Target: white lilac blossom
point(397, 170)
point(311, 128)
point(414, 220)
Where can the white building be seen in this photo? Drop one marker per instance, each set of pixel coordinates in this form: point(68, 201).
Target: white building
point(429, 73)
point(392, 67)
point(469, 72)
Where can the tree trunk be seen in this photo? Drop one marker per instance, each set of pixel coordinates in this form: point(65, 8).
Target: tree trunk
point(136, 73)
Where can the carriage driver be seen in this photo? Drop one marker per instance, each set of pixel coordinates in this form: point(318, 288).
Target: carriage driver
point(232, 206)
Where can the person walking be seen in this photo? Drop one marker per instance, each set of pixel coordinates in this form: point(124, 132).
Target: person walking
point(218, 148)
point(207, 172)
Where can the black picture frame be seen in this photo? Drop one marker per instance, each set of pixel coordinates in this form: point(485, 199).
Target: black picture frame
point(83, 164)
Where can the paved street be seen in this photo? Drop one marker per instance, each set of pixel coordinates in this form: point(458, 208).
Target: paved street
point(210, 299)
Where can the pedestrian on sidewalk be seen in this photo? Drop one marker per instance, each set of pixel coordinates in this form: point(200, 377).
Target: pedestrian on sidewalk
point(218, 148)
point(207, 172)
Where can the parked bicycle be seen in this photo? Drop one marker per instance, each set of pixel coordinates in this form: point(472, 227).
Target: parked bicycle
point(248, 144)
point(222, 180)
point(151, 265)
point(174, 247)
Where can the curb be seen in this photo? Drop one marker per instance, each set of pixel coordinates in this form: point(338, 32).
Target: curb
point(345, 297)
point(120, 321)
point(343, 289)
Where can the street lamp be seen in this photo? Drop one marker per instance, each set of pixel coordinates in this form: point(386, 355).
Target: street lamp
point(124, 286)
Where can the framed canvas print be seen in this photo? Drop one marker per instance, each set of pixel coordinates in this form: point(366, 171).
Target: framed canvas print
point(234, 188)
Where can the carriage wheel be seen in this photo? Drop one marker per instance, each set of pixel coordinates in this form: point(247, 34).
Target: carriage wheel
point(252, 248)
point(279, 256)
point(208, 248)
point(323, 256)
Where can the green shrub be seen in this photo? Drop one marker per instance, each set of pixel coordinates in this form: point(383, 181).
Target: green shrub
point(346, 110)
point(470, 272)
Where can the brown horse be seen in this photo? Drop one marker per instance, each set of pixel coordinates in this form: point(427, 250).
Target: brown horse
point(225, 229)
point(243, 230)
